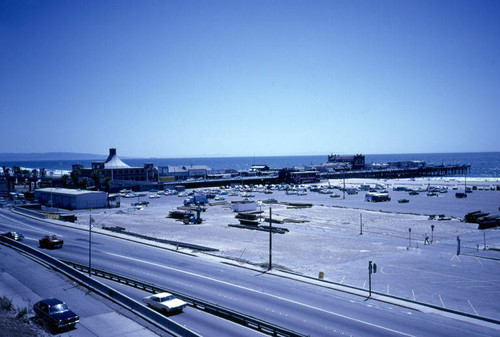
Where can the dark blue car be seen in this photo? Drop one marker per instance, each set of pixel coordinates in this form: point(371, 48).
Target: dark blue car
point(56, 314)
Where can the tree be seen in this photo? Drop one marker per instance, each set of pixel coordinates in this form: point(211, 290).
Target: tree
point(84, 183)
point(16, 169)
point(43, 172)
point(107, 184)
point(96, 177)
point(75, 177)
point(34, 177)
point(64, 180)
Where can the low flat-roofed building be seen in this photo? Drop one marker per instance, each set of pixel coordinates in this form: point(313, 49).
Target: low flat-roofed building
point(184, 172)
point(71, 198)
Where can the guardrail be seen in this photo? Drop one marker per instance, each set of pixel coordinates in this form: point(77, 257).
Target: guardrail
point(214, 309)
point(144, 312)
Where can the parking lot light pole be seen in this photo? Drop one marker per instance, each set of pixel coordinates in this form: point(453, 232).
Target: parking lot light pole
point(409, 237)
point(90, 243)
point(270, 240)
point(432, 233)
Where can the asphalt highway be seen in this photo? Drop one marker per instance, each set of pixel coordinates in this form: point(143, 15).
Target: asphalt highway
point(298, 306)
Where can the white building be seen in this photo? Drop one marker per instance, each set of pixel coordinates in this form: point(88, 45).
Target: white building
point(70, 198)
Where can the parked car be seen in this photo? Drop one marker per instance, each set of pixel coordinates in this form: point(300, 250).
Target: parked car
point(50, 241)
point(14, 236)
point(56, 314)
point(165, 302)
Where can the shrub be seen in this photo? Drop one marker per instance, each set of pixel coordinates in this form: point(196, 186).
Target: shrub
point(6, 303)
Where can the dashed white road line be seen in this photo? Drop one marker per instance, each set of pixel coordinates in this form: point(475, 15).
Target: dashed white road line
point(387, 289)
point(414, 298)
point(342, 281)
point(266, 294)
point(478, 260)
point(444, 306)
point(473, 308)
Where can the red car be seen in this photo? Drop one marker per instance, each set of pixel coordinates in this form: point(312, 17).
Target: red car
point(50, 241)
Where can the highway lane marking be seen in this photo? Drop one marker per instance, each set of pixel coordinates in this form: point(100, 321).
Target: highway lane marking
point(414, 298)
point(441, 301)
point(263, 293)
point(387, 289)
point(473, 308)
point(22, 223)
point(479, 261)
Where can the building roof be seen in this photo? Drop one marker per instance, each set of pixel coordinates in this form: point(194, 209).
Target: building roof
point(113, 162)
point(68, 191)
point(184, 169)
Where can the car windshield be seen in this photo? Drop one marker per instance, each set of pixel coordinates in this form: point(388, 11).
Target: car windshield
point(167, 298)
point(58, 308)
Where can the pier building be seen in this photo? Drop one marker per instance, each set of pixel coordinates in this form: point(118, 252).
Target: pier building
point(115, 169)
point(357, 161)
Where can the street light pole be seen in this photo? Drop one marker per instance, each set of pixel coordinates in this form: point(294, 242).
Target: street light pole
point(432, 233)
point(270, 240)
point(90, 243)
point(409, 237)
point(361, 224)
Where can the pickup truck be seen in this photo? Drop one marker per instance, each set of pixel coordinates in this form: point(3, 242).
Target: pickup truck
point(50, 241)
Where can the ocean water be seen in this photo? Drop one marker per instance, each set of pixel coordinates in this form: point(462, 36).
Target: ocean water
point(483, 164)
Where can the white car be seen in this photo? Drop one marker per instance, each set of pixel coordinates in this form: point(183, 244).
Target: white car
point(165, 302)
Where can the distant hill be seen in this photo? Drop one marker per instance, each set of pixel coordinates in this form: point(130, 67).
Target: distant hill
point(50, 156)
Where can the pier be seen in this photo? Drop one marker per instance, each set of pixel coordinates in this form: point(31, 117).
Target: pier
point(393, 173)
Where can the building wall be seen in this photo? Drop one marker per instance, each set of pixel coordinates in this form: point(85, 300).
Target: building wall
point(72, 201)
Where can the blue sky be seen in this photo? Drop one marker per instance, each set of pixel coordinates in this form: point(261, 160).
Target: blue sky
point(244, 78)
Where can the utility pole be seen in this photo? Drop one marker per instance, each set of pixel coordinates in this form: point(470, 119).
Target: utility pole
point(90, 243)
point(360, 224)
point(270, 240)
